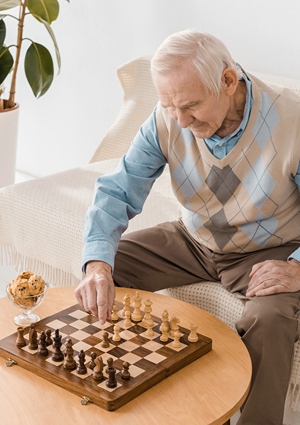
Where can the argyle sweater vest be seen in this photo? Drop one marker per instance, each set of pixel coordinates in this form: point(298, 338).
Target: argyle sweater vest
point(248, 200)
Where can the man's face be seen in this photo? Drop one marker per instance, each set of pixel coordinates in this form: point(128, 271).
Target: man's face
point(190, 103)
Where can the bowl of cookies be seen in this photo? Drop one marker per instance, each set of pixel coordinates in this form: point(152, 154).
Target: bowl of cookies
point(26, 292)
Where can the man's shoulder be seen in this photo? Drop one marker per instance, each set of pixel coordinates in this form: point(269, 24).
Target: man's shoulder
point(276, 86)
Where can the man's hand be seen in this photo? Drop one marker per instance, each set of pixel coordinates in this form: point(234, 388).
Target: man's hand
point(273, 277)
point(96, 292)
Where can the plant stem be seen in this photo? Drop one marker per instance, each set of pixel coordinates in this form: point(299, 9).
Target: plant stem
point(22, 11)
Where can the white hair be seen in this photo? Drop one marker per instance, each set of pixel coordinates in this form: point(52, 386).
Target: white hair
point(205, 52)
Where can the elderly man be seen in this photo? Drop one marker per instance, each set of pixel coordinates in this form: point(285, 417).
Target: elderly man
point(233, 147)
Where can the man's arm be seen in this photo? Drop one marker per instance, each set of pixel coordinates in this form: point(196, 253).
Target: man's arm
point(272, 277)
point(119, 196)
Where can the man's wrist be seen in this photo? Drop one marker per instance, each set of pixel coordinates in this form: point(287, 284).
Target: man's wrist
point(97, 267)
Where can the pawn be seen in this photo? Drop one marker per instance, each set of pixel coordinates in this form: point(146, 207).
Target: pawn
point(98, 369)
point(127, 321)
point(193, 337)
point(105, 341)
point(92, 363)
point(49, 340)
point(114, 314)
point(125, 372)
point(176, 343)
point(116, 335)
point(20, 342)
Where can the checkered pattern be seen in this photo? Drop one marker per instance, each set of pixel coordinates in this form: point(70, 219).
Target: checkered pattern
point(141, 351)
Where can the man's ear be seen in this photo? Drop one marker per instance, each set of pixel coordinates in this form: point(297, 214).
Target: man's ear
point(229, 80)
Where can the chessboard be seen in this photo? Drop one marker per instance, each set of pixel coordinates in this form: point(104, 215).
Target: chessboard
point(149, 359)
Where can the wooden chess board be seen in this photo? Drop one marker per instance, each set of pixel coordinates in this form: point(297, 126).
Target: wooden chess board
point(150, 359)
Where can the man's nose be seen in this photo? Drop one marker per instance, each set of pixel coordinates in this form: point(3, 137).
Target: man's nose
point(183, 117)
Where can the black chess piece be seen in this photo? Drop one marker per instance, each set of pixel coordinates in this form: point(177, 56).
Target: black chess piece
point(57, 355)
point(92, 363)
point(20, 342)
point(33, 341)
point(49, 340)
point(69, 362)
point(98, 369)
point(111, 371)
point(42, 347)
point(125, 372)
point(81, 368)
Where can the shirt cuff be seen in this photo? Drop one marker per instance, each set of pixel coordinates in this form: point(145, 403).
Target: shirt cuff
point(295, 255)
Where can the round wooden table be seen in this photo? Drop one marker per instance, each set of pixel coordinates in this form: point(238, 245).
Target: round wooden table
point(206, 392)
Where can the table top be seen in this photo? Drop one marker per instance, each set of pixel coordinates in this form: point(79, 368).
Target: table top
point(207, 392)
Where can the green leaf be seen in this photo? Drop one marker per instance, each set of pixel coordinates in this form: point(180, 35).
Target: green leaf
point(2, 31)
point(45, 9)
point(6, 63)
point(8, 4)
point(39, 69)
point(49, 29)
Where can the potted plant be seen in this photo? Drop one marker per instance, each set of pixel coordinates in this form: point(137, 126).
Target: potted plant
point(38, 65)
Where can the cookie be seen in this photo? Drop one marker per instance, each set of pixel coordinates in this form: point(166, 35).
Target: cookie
point(36, 284)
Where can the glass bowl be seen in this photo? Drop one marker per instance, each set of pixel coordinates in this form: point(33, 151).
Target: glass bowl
point(26, 304)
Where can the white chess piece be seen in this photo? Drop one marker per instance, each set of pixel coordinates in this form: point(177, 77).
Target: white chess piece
point(193, 337)
point(116, 335)
point(137, 314)
point(176, 343)
point(127, 321)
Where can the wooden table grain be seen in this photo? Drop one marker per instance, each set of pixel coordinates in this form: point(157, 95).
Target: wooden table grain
point(207, 392)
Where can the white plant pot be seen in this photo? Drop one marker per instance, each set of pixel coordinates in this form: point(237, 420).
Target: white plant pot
point(9, 120)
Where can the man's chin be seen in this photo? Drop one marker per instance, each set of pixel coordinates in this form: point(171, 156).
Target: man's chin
point(201, 134)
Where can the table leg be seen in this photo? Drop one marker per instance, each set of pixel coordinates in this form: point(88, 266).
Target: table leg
point(228, 422)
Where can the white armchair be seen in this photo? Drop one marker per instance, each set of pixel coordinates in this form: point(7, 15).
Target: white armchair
point(41, 221)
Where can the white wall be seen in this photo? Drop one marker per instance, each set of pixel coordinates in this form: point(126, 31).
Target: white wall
point(62, 129)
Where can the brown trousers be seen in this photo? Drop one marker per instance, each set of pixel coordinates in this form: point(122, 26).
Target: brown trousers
point(165, 255)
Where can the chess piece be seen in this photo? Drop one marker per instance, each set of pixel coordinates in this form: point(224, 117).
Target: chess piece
point(149, 331)
point(193, 337)
point(92, 363)
point(57, 355)
point(114, 314)
point(116, 335)
point(147, 319)
point(164, 327)
point(69, 362)
point(98, 369)
point(125, 372)
point(174, 325)
point(111, 371)
point(105, 341)
point(32, 335)
point(42, 347)
point(176, 343)
point(137, 315)
point(20, 342)
point(126, 303)
point(127, 321)
point(81, 367)
point(49, 340)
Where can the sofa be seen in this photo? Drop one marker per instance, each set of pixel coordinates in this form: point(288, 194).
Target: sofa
point(41, 220)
